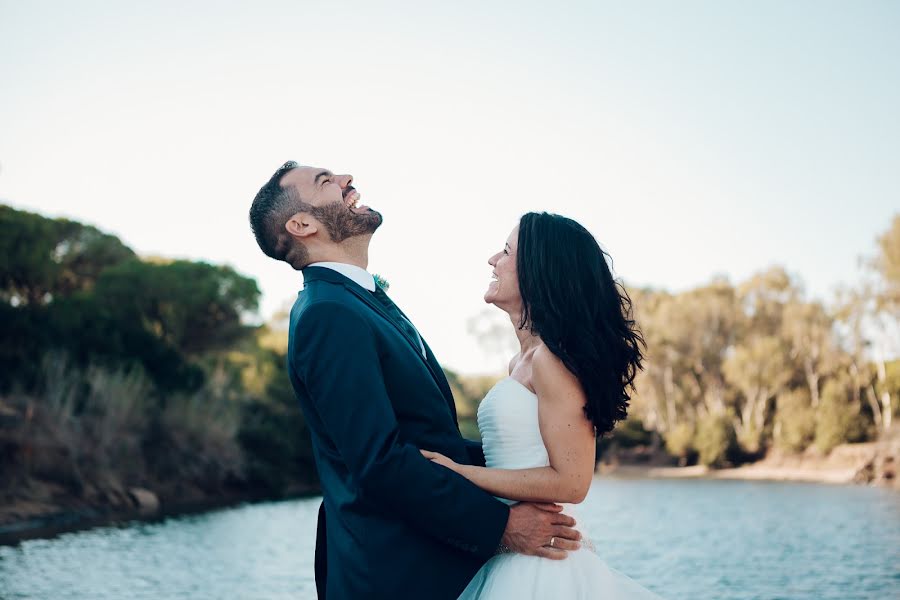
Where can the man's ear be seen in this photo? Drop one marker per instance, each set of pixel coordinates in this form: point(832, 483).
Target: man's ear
point(301, 225)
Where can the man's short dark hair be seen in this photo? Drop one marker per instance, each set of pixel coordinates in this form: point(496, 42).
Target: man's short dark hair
point(271, 209)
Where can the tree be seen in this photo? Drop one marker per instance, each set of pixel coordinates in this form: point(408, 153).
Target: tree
point(655, 398)
point(764, 297)
point(688, 337)
point(808, 330)
point(703, 326)
point(838, 420)
point(759, 369)
point(795, 420)
point(887, 312)
point(715, 440)
point(887, 265)
point(193, 307)
point(870, 329)
point(42, 259)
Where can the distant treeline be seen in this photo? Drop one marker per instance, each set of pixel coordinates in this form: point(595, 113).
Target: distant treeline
point(734, 370)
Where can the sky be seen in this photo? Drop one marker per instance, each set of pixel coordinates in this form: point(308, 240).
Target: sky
point(693, 140)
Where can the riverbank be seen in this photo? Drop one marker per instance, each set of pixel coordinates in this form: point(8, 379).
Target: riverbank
point(47, 516)
point(872, 463)
point(47, 510)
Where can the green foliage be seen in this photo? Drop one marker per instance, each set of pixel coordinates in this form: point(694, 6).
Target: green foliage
point(838, 419)
point(630, 433)
point(795, 420)
point(88, 333)
point(273, 434)
point(116, 371)
point(715, 441)
point(468, 392)
point(42, 259)
point(892, 385)
point(192, 306)
point(68, 287)
point(680, 441)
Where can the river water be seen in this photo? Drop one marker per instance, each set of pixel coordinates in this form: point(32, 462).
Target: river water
point(686, 540)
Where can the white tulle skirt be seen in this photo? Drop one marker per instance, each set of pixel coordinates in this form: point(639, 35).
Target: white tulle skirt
point(580, 576)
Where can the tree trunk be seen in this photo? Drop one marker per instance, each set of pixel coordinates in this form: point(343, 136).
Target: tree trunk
point(747, 419)
point(812, 379)
point(886, 406)
point(670, 397)
point(876, 410)
point(885, 395)
point(760, 418)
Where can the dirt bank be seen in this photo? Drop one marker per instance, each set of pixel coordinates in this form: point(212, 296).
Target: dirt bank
point(870, 463)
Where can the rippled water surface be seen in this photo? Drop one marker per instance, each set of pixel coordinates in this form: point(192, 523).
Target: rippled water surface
point(683, 539)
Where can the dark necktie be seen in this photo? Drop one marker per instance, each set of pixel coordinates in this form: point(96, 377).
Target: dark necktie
point(397, 316)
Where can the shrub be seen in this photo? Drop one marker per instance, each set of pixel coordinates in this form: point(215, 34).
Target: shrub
point(795, 421)
point(838, 420)
point(680, 441)
point(631, 432)
point(715, 440)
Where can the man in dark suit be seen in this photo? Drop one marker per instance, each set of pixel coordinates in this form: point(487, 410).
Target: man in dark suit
point(392, 524)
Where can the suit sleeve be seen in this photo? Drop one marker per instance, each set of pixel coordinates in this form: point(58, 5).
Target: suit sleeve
point(337, 360)
point(476, 453)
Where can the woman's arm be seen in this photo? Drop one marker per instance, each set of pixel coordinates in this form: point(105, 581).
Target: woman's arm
point(568, 436)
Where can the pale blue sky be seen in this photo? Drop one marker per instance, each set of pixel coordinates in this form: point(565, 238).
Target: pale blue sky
point(693, 139)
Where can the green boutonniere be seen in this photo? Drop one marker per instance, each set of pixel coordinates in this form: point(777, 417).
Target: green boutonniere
point(381, 282)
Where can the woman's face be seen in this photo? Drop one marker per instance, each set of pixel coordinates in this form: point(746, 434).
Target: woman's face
point(503, 291)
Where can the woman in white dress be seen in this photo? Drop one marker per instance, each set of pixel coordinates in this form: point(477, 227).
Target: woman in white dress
point(580, 351)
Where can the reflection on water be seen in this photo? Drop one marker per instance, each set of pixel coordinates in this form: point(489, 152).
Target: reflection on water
point(683, 539)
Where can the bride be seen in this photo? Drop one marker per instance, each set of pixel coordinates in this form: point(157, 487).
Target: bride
point(580, 351)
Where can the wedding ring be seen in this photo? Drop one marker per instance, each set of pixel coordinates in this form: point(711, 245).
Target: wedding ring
point(552, 541)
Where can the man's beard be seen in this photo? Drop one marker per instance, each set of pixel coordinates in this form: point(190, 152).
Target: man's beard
point(341, 223)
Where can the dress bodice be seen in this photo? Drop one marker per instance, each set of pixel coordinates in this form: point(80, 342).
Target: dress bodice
point(510, 432)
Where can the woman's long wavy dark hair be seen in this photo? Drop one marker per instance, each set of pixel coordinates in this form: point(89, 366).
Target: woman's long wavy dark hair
point(581, 313)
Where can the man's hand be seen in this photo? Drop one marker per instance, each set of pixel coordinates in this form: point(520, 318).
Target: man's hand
point(532, 526)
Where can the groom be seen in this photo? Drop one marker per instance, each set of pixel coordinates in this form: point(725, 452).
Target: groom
point(395, 525)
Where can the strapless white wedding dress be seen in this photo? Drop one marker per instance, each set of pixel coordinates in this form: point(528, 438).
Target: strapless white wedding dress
point(508, 421)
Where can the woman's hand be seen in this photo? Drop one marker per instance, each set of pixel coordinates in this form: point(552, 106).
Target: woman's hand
point(437, 457)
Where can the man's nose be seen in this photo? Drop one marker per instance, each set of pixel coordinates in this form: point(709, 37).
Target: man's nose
point(493, 261)
point(344, 180)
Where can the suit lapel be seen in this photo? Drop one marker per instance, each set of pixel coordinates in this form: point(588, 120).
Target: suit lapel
point(441, 379)
point(313, 273)
point(367, 297)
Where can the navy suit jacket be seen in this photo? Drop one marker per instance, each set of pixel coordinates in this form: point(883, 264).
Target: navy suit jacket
point(396, 524)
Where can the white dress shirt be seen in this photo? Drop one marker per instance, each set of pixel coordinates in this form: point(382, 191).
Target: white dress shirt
point(357, 275)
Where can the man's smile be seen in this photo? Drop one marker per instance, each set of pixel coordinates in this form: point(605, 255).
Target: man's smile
point(351, 199)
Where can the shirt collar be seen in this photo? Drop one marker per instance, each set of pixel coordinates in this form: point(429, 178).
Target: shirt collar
point(357, 275)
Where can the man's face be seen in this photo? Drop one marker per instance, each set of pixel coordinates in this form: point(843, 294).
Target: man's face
point(333, 201)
